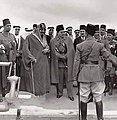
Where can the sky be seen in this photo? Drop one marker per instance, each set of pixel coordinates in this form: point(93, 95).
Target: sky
point(54, 12)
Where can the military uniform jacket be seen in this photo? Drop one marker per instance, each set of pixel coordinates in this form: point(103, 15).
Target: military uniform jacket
point(9, 44)
point(54, 59)
point(90, 72)
point(105, 64)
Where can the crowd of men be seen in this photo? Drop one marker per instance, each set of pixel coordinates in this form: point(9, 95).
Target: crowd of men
point(43, 60)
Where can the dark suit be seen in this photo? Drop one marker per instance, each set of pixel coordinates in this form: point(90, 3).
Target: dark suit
point(19, 47)
point(77, 41)
point(48, 38)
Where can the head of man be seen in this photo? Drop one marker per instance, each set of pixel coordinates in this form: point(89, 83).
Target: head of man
point(97, 35)
point(51, 30)
point(17, 30)
point(77, 32)
point(102, 30)
point(90, 29)
point(6, 25)
point(34, 27)
point(110, 34)
point(42, 28)
point(60, 30)
point(69, 29)
point(82, 30)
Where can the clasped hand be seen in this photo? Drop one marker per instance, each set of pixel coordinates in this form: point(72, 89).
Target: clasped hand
point(45, 51)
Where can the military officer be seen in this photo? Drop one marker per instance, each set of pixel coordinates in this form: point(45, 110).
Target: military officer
point(97, 35)
point(110, 37)
point(69, 30)
point(81, 38)
point(62, 58)
point(106, 65)
point(91, 77)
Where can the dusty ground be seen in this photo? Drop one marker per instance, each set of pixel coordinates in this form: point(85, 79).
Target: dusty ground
point(63, 108)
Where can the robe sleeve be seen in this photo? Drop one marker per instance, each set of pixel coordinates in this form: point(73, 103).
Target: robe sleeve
point(26, 54)
point(76, 66)
point(108, 56)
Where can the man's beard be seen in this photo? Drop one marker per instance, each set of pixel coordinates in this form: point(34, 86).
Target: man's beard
point(7, 30)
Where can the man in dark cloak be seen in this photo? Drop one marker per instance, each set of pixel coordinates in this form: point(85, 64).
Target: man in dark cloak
point(37, 77)
point(62, 57)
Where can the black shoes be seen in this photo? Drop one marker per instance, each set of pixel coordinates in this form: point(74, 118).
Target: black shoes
point(59, 96)
point(71, 98)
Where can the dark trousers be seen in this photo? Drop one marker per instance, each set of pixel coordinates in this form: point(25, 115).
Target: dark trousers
point(63, 78)
point(18, 66)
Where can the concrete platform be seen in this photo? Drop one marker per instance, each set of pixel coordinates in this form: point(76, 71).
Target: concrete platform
point(50, 108)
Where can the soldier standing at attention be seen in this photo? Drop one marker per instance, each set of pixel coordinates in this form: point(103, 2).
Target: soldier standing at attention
point(91, 76)
point(8, 54)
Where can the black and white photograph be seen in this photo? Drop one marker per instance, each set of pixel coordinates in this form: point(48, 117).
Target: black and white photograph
point(58, 60)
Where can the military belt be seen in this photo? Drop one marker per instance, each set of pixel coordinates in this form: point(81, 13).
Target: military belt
point(89, 62)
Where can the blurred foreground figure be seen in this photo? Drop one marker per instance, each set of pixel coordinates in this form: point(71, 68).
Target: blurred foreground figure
point(35, 50)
